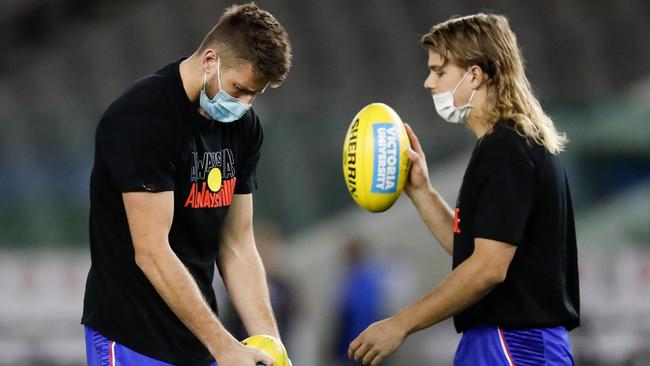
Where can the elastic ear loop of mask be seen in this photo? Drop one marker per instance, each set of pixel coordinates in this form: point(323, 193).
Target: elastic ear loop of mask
point(471, 97)
point(457, 86)
point(205, 75)
point(219, 71)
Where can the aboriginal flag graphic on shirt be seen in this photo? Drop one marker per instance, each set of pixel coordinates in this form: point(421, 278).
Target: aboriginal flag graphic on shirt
point(213, 180)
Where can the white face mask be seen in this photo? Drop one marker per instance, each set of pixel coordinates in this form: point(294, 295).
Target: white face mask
point(445, 107)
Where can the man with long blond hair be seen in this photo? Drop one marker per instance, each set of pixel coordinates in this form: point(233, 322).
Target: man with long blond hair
point(513, 291)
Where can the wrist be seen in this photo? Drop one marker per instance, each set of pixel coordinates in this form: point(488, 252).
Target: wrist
point(421, 194)
point(272, 331)
point(403, 323)
point(221, 345)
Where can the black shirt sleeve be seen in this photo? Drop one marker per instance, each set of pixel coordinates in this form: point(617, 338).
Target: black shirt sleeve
point(246, 174)
point(138, 147)
point(506, 190)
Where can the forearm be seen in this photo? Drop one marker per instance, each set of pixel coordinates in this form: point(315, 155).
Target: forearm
point(437, 216)
point(179, 290)
point(467, 284)
point(245, 279)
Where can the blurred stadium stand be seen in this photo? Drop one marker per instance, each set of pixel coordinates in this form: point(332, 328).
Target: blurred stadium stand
point(63, 61)
point(56, 85)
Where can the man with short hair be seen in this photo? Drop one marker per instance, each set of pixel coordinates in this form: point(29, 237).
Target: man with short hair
point(171, 194)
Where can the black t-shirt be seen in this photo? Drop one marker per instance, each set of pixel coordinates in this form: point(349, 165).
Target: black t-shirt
point(515, 191)
point(152, 139)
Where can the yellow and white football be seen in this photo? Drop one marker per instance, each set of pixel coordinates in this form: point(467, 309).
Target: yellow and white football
point(375, 159)
point(271, 346)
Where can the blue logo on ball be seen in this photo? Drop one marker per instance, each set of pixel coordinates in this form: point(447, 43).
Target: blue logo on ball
point(386, 162)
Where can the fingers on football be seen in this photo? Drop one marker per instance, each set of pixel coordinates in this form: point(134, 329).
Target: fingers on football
point(264, 358)
point(415, 143)
point(413, 156)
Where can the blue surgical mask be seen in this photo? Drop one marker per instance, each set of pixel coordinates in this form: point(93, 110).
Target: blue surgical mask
point(223, 107)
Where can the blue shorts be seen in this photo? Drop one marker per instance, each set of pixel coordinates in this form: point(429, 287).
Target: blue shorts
point(101, 351)
point(490, 345)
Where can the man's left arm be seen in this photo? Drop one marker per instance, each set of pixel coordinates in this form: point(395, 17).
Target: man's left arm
point(242, 270)
point(467, 283)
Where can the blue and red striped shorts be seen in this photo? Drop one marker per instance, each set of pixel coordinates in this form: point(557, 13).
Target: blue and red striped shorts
point(490, 345)
point(101, 351)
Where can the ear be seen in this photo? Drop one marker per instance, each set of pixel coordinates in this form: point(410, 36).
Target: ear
point(477, 76)
point(209, 59)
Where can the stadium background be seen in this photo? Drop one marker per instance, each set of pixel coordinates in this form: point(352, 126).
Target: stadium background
point(63, 61)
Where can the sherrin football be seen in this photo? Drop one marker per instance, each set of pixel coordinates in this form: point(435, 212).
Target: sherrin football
point(271, 346)
point(375, 159)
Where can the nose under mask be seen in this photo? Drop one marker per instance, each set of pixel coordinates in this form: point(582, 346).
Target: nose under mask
point(444, 103)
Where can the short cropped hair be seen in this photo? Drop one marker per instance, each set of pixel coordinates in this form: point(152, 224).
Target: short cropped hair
point(246, 33)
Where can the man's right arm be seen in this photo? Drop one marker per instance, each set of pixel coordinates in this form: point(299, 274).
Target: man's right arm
point(150, 218)
point(432, 208)
point(436, 215)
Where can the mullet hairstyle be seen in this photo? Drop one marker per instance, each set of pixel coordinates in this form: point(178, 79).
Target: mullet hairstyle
point(486, 40)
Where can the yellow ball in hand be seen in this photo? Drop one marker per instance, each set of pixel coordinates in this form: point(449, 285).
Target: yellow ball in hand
point(271, 346)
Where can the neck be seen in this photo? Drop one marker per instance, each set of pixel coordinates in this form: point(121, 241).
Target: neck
point(191, 77)
point(478, 119)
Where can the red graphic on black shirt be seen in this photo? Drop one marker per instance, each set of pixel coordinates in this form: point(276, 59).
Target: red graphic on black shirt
point(205, 198)
point(213, 180)
point(457, 221)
